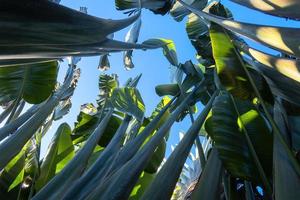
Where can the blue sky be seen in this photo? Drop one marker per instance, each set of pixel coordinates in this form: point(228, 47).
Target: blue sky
point(152, 64)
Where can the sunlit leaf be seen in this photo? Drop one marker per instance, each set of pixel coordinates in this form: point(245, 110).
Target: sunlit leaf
point(34, 83)
point(60, 152)
point(230, 141)
point(178, 11)
point(67, 33)
point(169, 49)
point(128, 100)
point(286, 8)
point(280, 38)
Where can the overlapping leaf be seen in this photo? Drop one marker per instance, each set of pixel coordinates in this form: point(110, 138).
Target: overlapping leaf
point(284, 39)
point(228, 135)
point(30, 30)
point(286, 8)
point(128, 100)
point(60, 152)
point(34, 83)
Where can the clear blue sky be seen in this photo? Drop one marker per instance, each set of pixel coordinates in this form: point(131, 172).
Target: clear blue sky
point(152, 64)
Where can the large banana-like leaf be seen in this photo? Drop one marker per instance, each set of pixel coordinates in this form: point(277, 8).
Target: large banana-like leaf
point(12, 176)
point(282, 8)
point(156, 6)
point(123, 181)
point(87, 123)
point(178, 11)
point(23, 166)
point(198, 34)
point(230, 140)
point(167, 89)
point(132, 37)
point(286, 66)
point(228, 64)
point(280, 84)
point(128, 100)
point(165, 181)
point(60, 152)
point(59, 183)
point(169, 49)
point(30, 30)
point(15, 142)
point(34, 83)
point(281, 38)
point(286, 180)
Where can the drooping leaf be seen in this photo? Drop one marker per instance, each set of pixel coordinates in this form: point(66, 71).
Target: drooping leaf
point(60, 152)
point(178, 11)
point(280, 84)
point(34, 83)
point(284, 39)
point(69, 32)
point(230, 141)
point(286, 66)
point(195, 27)
point(167, 89)
point(156, 6)
point(104, 63)
point(229, 69)
point(286, 8)
point(12, 175)
point(128, 100)
point(169, 49)
point(62, 109)
point(131, 37)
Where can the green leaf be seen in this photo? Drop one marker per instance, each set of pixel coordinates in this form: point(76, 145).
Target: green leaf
point(60, 183)
point(34, 83)
point(286, 179)
point(209, 182)
point(69, 32)
point(279, 83)
point(284, 39)
point(229, 69)
point(167, 89)
point(287, 8)
point(178, 11)
point(60, 152)
point(121, 183)
point(128, 100)
point(230, 141)
point(286, 66)
point(87, 123)
point(169, 49)
point(104, 63)
point(140, 187)
point(132, 37)
point(156, 6)
point(157, 158)
point(12, 175)
point(165, 181)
